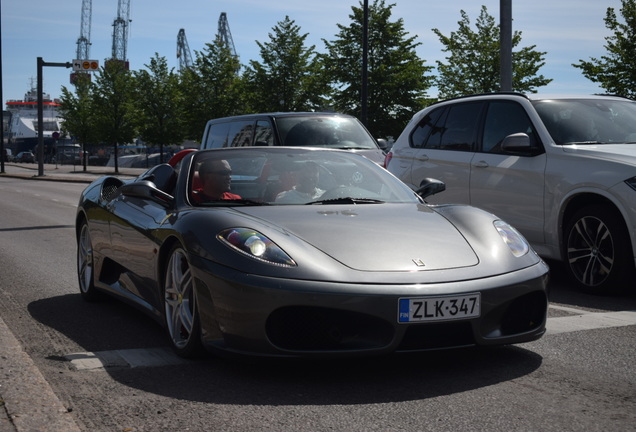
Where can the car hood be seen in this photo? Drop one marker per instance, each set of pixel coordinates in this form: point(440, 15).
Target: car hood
point(624, 153)
point(417, 239)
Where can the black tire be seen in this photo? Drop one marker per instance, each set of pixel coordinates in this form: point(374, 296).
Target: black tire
point(598, 254)
point(180, 306)
point(85, 268)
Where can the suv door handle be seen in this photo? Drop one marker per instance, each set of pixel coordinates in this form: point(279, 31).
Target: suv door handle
point(423, 158)
point(481, 164)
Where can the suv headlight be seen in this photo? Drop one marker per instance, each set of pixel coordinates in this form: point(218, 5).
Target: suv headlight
point(515, 241)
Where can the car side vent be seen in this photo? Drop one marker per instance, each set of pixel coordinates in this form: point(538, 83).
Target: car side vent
point(110, 188)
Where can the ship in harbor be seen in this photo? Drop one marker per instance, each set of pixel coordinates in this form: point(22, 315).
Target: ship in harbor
point(23, 123)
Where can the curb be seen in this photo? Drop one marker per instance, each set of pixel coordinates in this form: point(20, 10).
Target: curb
point(27, 402)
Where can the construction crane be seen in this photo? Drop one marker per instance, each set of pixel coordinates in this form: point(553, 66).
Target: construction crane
point(183, 51)
point(225, 35)
point(84, 39)
point(120, 31)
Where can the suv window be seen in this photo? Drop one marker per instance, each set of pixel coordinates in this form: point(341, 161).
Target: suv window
point(459, 129)
point(449, 128)
point(264, 134)
point(327, 131)
point(502, 119)
point(240, 133)
point(588, 121)
point(426, 128)
point(217, 135)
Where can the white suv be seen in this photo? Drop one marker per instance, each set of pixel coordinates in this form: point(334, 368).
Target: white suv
point(562, 170)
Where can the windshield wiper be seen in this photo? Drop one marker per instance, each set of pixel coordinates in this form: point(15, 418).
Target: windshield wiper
point(582, 142)
point(347, 200)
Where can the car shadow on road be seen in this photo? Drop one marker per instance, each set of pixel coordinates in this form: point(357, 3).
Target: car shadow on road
point(103, 325)
point(387, 379)
point(112, 325)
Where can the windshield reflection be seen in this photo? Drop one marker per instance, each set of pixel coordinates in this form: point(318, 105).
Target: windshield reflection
point(589, 121)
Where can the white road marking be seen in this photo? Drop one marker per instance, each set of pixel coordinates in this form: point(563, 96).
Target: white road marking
point(149, 357)
point(569, 309)
point(130, 358)
point(590, 321)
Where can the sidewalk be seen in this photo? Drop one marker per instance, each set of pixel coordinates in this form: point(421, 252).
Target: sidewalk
point(67, 173)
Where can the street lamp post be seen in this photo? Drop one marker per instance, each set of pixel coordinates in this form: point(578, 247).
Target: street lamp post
point(505, 36)
point(365, 56)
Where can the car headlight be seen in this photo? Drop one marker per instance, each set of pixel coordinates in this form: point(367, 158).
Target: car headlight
point(255, 245)
point(631, 182)
point(515, 241)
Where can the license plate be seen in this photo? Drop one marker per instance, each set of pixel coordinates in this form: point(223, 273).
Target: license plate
point(439, 308)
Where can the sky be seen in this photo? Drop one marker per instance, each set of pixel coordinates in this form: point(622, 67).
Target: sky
point(567, 30)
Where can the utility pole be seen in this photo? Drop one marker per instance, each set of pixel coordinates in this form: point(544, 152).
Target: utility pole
point(41, 64)
point(505, 45)
point(365, 65)
point(2, 149)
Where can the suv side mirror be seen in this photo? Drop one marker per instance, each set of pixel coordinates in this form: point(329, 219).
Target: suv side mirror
point(383, 144)
point(517, 142)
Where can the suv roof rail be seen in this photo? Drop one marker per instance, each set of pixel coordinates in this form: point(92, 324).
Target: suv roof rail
point(523, 95)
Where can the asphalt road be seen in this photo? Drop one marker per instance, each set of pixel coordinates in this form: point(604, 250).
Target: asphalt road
point(66, 365)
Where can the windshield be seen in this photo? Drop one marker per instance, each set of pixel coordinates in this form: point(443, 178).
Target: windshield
point(589, 121)
point(324, 131)
point(291, 176)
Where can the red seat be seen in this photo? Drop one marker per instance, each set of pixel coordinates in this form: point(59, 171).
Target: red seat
point(176, 158)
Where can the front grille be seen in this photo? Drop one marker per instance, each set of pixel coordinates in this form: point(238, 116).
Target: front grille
point(305, 328)
point(437, 336)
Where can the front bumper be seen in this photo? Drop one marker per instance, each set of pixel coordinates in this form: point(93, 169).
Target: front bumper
point(266, 316)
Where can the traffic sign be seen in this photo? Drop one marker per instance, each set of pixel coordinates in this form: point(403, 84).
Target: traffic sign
point(85, 65)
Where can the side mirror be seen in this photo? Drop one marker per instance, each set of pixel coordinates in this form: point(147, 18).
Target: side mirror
point(383, 144)
point(146, 190)
point(430, 186)
point(518, 142)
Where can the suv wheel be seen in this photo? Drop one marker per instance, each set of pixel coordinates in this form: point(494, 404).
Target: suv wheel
point(596, 250)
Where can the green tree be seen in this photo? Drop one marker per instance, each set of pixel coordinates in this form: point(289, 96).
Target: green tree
point(616, 71)
point(77, 112)
point(211, 88)
point(289, 77)
point(158, 99)
point(114, 109)
point(473, 64)
point(397, 80)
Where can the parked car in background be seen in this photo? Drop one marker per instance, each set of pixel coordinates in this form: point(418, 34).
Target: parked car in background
point(25, 156)
point(562, 170)
point(303, 129)
point(276, 251)
point(8, 155)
